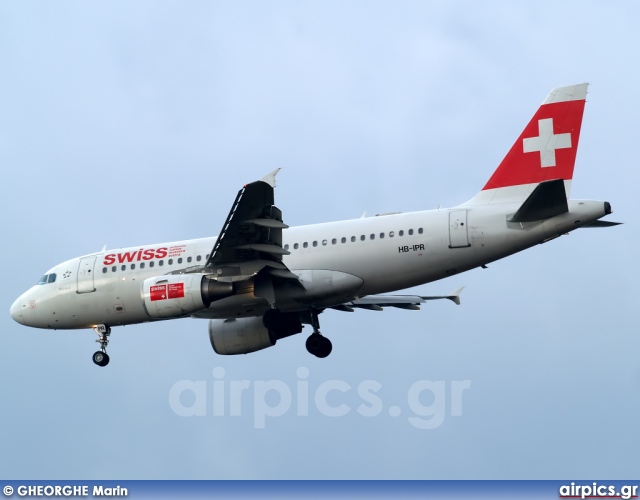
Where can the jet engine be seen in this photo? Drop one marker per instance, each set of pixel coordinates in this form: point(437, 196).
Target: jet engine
point(245, 335)
point(239, 336)
point(176, 295)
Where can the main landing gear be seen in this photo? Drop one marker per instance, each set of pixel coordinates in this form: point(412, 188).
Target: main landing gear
point(101, 358)
point(281, 325)
point(316, 344)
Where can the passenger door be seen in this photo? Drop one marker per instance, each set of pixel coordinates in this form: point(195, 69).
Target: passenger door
point(85, 275)
point(458, 234)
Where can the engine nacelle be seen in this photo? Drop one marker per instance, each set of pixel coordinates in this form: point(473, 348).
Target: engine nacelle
point(239, 336)
point(176, 295)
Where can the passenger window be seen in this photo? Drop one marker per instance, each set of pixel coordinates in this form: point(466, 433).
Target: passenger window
point(170, 262)
point(179, 260)
point(381, 235)
point(305, 244)
point(207, 257)
point(334, 241)
point(295, 246)
point(189, 259)
point(315, 243)
point(161, 262)
point(324, 242)
point(141, 265)
point(104, 270)
point(199, 258)
point(151, 264)
point(344, 240)
point(401, 233)
point(113, 269)
point(373, 236)
point(124, 268)
point(391, 234)
point(420, 230)
point(363, 237)
point(133, 266)
point(286, 247)
point(410, 232)
point(353, 238)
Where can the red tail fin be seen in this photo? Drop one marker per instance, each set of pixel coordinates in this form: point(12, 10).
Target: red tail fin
point(546, 148)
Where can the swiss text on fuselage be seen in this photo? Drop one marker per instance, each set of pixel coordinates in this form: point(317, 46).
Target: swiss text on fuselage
point(135, 255)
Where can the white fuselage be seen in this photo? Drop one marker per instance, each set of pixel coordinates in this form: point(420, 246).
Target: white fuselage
point(351, 258)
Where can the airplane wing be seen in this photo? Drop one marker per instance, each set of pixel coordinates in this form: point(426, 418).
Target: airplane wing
point(378, 302)
point(251, 237)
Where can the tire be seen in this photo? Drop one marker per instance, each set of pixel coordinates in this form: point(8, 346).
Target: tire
point(325, 348)
point(101, 358)
point(318, 345)
point(314, 343)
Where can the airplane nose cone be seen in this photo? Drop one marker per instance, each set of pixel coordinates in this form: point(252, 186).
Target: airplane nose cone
point(16, 312)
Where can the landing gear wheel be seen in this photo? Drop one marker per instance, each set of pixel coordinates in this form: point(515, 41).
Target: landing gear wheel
point(318, 345)
point(313, 343)
point(101, 358)
point(325, 348)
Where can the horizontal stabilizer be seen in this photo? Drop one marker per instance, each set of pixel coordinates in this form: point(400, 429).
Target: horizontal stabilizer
point(602, 223)
point(547, 200)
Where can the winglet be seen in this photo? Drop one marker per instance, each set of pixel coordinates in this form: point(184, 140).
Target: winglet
point(455, 296)
point(271, 178)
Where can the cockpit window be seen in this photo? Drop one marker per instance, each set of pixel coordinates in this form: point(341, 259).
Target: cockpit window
point(47, 278)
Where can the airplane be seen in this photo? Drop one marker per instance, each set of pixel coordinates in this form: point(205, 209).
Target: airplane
point(260, 281)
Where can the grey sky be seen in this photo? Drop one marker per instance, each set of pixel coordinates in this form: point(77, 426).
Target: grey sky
point(127, 123)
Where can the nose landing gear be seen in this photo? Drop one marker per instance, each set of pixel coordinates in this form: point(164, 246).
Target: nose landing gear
point(101, 358)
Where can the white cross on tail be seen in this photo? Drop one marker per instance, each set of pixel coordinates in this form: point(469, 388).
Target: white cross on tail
point(546, 143)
